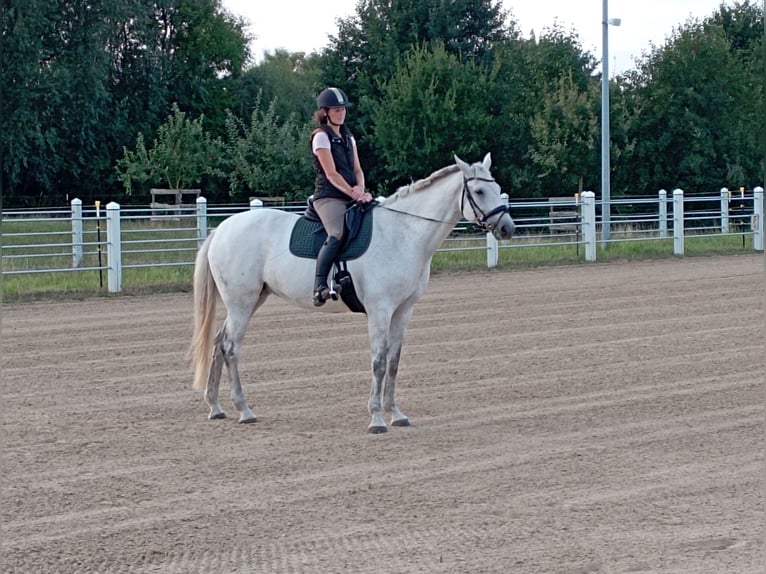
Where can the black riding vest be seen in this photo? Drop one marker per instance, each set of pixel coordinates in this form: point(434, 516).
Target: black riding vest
point(343, 154)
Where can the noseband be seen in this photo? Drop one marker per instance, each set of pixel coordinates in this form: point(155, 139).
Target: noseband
point(481, 217)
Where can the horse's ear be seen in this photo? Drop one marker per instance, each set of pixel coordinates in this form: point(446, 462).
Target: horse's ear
point(464, 167)
point(487, 161)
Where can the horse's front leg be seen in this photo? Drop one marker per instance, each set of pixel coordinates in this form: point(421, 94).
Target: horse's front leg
point(379, 350)
point(378, 423)
point(395, 339)
point(398, 418)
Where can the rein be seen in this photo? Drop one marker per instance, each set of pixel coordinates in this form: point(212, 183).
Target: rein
point(384, 206)
point(481, 217)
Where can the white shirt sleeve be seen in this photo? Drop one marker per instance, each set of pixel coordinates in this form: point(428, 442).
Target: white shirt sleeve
point(322, 141)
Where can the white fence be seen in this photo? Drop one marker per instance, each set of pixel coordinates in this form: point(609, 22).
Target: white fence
point(121, 234)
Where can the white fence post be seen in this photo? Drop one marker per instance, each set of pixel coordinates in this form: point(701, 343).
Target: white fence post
point(201, 221)
point(114, 247)
point(589, 224)
point(663, 205)
point(76, 232)
point(678, 221)
point(493, 248)
point(725, 195)
point(255, 203)
point(757, 219)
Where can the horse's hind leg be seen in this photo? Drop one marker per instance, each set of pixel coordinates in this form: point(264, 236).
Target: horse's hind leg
point(214, 379)
point(246, 415)
point(231, 345)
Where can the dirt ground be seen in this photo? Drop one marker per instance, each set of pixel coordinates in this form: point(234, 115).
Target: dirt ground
point(603, 418)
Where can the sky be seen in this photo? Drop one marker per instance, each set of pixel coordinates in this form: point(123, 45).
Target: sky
point(304, 25)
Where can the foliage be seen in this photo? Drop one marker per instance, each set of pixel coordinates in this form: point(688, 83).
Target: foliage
point(206, 52)
point(422, 118)
point(693, 114)
point(373, 44)
point(268, 157)
point(565, 133)
point(527, 74)
point(180, 155)
point(289, 80)
point(81, 79)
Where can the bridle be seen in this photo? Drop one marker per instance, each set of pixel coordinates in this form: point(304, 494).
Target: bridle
point(481, 217)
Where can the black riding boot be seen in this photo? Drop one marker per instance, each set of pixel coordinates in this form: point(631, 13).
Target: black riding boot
point(325, 259)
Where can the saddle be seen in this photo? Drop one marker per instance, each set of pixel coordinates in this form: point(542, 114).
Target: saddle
point(308, 235)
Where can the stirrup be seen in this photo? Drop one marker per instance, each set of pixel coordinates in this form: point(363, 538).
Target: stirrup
point(324, 293)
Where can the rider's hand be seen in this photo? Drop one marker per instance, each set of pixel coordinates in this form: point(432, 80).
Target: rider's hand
point(359, 194)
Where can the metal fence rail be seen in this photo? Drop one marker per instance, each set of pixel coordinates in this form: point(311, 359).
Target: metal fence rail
point(80, 239)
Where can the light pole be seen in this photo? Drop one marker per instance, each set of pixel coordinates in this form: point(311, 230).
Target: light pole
point(606, 209)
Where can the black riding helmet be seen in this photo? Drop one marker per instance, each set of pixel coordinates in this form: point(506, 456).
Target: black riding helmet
point(332, 98)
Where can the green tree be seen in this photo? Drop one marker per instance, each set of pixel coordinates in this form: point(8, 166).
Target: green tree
point(743, 25)
point(565, 135)
point(181, 154)
point(693, 115)
point(205, 51)
point(529, 76)
point(431, 108)
point(56, 103)
point(268, 156)
point(372, 45)
point(81, 78)
point(289, 80)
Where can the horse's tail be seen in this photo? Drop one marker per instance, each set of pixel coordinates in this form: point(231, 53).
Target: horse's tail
point(205, 295)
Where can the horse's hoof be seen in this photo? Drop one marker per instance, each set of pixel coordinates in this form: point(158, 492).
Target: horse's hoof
point(377, 430)
point(401, 423)
point(216, 416)
point(248, 421)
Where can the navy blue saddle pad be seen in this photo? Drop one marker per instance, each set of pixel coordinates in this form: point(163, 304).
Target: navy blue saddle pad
point(308, 235)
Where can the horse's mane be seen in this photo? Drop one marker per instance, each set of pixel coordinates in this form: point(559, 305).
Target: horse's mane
point(416, 186)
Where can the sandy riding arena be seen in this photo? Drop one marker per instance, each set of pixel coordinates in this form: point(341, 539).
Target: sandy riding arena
point(604, 418)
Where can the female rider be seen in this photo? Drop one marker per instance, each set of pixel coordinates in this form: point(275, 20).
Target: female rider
point(339, 180)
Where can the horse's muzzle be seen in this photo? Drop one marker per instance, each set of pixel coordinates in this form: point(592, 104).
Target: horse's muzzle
point(504, 227)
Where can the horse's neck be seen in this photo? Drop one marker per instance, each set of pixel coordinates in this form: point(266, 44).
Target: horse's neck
point(439, 202)
point(432, 212)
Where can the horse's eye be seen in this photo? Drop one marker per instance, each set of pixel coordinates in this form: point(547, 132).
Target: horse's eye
point(480, 191)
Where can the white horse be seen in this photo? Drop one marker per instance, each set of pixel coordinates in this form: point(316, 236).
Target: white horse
point(247, 258)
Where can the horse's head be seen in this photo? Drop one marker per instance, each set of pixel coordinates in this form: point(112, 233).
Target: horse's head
point(482, 202)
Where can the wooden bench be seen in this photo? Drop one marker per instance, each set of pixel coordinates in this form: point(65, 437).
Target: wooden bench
point(165, 209)
point(564, 214)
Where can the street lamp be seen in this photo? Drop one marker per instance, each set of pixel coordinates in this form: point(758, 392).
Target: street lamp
point(606, 193)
